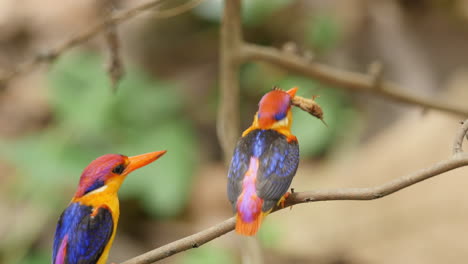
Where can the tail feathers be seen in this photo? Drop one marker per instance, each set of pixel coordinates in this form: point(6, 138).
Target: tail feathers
point(249, 228)
point(249, 210)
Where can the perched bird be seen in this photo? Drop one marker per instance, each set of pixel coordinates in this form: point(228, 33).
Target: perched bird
point(86, 229)
point(264, 163)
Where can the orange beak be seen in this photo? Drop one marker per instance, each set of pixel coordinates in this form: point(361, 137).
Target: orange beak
point(292, 92)
point(139, 161)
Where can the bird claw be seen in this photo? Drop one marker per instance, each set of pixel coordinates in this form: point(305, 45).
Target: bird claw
point(282, 201)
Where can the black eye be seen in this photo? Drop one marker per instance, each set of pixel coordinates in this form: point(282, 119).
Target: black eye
point(119, 169)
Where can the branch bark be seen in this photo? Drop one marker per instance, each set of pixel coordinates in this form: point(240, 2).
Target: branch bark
point(458, 159)
point(228, 111)
point(116, 19)
point(51, 55)
point(370, 193)
point(343, 79)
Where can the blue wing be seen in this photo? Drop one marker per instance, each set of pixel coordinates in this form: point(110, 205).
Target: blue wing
point(237, 169)
point(278, 165)
point(86, 235)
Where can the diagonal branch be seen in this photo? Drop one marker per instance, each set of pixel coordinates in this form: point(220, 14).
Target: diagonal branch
point(344, 79)
point(82, 37)
point(372, 193)
point(115, 19)
point(459, 159)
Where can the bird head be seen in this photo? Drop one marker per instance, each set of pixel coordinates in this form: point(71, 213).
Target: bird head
point(274, 110)
point(108, 172)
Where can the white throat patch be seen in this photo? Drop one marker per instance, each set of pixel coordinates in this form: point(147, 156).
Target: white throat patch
point(282, 123)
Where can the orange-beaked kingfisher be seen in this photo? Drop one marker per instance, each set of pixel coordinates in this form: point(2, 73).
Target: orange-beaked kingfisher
point(264, 162)
point(86, 229)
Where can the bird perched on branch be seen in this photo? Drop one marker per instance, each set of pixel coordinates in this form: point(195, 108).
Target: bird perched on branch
point(86, 229)
point(264, 163)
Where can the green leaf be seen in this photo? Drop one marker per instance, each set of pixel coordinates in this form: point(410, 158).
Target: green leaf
point(79, 92)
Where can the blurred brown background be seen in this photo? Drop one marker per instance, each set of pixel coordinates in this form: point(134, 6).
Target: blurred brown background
point(56, 119)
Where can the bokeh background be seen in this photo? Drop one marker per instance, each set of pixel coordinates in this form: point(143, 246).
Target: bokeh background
point(56, 119)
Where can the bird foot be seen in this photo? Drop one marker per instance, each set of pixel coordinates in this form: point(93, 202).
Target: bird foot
point(282, 201)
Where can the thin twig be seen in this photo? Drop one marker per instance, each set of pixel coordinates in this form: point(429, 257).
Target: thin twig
point(115, 67)
point(178, 10)
point(458, 160)
point(343, 79)
point(457, 145)
point(376, 72)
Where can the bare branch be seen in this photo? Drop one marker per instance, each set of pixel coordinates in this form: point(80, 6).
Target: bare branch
point(458, 160)
point(383, 190)
point(346, 80)
point(376, 71)
point(84, 36)
point(231, 42)
point(183, 244)
point(115, 19)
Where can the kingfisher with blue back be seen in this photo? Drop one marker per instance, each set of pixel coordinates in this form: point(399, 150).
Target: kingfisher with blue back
point(264, 162)
point(87, 227)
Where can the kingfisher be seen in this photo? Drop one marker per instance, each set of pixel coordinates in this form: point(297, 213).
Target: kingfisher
point(264, 162)
point(87, 227)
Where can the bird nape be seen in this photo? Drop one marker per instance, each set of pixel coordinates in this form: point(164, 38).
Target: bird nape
point(86, 228)
point(264, 162)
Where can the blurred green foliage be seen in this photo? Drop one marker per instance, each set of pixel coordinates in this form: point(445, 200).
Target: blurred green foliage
point(37, 258)
point(208, 255)
point(322, 32)
point(89, 120)
point(253, 12)
point(269, 234)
